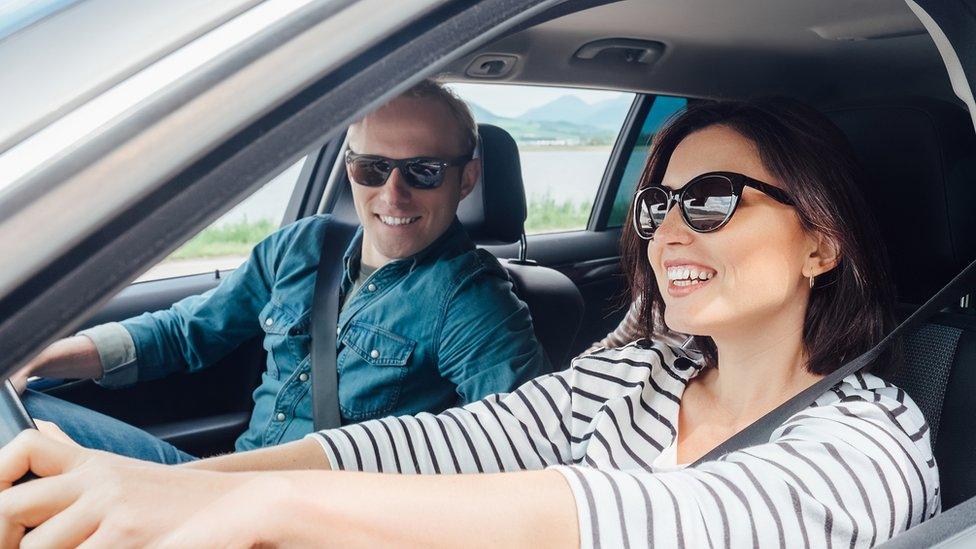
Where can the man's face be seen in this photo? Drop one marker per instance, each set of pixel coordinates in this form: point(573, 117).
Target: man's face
point(398, 220)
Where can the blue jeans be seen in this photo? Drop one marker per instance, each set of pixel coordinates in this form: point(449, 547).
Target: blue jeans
point(100, 432)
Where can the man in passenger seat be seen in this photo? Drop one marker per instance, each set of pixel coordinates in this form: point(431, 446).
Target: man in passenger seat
point(427, 321)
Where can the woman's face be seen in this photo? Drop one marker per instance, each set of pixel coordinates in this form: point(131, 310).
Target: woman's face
point(757, 263)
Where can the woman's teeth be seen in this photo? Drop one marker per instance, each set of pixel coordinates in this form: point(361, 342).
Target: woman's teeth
point(390, 220)
point(683, 275)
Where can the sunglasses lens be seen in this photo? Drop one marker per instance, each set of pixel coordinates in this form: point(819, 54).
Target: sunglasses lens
point(651, 209)
point(708, 202)
point(424, 174)
point(370, 172)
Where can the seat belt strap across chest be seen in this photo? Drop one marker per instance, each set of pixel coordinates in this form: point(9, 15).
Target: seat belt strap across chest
point(761, 430)
point(325, 320)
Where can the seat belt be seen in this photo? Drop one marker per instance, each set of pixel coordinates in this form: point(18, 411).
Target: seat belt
point(761, 430)
point(325, 320)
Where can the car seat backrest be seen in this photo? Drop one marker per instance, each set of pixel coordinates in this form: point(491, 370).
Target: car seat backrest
point(940, 375)
point(494, 213)
point(920, 158)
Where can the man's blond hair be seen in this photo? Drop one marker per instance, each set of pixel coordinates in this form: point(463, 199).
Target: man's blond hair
point(432, 91)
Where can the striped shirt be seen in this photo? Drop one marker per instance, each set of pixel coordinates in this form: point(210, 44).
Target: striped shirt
point(852, 470)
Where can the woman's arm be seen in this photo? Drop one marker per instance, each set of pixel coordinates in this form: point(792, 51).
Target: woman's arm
point(301, 454)
point(107, 500)
point(533, 509)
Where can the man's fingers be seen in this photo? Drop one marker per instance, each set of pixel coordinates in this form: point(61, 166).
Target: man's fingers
point(69, 528)
point(34, 451)
point(19, 381)
point(31, 503)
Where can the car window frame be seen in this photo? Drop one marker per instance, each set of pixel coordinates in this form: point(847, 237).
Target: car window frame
point(603, 204)
point(55, 288)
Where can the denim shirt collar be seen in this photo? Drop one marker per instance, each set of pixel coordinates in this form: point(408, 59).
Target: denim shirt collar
point(454, 236)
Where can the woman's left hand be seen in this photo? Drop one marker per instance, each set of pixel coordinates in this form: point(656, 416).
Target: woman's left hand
point(105, 500)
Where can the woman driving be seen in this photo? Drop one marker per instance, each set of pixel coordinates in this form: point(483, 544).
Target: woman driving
point(748, 232)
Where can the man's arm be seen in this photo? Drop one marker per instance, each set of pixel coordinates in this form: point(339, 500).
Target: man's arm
point(70, 358)
point(193, 333)
point(487, 341)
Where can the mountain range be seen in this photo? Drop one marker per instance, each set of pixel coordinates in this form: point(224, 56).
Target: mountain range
point(566, 120)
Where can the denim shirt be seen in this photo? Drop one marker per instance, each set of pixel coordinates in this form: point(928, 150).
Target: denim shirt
point(436, 330)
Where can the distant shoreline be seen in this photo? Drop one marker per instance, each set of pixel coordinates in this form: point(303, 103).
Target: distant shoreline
point(556, 148)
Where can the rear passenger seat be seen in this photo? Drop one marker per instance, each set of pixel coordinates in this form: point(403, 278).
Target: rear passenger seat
point(920, 155)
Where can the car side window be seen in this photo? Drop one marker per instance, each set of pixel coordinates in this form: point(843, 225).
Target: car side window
point(661, 109)
point(227, 242)
point(565, 137)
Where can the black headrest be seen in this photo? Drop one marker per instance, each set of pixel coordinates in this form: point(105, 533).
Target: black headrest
point(494, 212)
point(920, 158)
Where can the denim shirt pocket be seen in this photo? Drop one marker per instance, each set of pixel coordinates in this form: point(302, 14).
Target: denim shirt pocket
point(286, 338)
point(371, 367)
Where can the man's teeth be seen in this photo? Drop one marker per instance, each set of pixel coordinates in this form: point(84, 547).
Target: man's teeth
point(685, 275)
point(390, 220)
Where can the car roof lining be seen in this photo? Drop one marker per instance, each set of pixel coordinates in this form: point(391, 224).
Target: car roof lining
point(720, 49)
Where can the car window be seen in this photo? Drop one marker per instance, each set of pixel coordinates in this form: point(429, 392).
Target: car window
point(226, 243)
point(564, 136)
point(662, 108)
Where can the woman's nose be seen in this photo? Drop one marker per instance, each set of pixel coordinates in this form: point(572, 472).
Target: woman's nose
point(673, 229)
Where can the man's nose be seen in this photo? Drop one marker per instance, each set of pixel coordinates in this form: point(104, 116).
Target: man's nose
point(395, 190)
point(673, 229)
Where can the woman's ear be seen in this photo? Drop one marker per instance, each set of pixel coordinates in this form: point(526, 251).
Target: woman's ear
point(824, 255)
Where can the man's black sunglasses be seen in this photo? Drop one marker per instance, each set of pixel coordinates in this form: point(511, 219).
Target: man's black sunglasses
point(707, 202)
point(420, 172)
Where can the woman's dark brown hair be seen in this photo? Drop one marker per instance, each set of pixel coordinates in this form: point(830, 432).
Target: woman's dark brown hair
point(851, 306)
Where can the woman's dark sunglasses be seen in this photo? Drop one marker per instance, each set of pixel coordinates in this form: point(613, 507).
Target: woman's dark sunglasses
point(707, 202)
point(420, 172)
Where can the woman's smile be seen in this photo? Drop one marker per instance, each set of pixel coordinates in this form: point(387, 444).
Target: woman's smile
point(685, 277)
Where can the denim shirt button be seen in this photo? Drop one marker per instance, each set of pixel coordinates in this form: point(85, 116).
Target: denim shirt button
point(268, 321)
point(280, 416)
point(374, 353)
point(372, 288)
point(303, 377)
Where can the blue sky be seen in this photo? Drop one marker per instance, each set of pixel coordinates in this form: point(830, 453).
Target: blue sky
point(511, 101)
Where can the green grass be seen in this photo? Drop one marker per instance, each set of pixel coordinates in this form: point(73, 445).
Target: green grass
point(231, 239)
point(237, 239)
point(547, 215)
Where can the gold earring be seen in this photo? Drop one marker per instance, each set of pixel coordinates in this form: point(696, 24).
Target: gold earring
point(812, 278)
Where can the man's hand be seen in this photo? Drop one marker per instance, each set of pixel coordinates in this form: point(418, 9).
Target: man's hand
point(19, 379)
point(106, 500)
point(70, 358)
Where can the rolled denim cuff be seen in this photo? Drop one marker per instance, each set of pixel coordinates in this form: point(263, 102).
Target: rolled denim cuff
point(117, 352)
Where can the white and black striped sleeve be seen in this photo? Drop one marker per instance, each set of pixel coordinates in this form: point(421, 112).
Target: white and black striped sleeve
point(842, 475)
point(523, 430)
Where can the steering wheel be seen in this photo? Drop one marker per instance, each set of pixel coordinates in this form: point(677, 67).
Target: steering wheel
point(13, 418)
